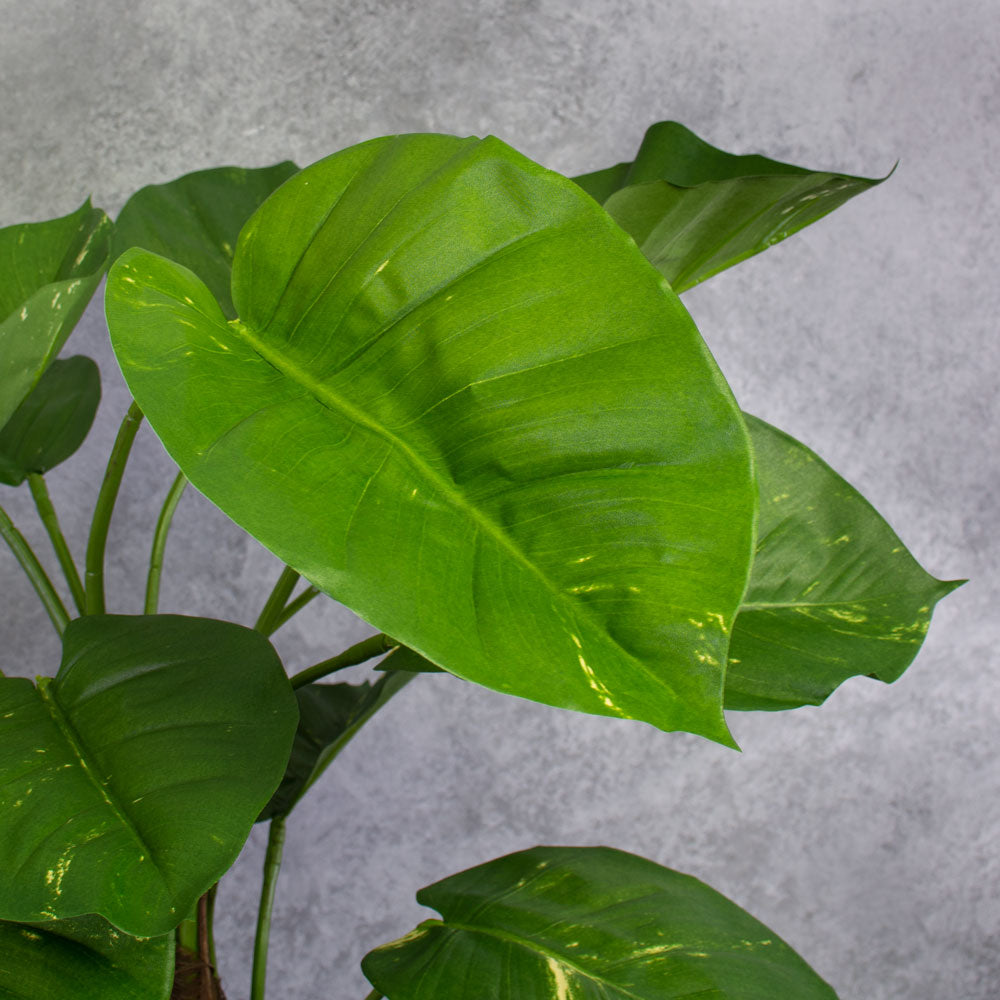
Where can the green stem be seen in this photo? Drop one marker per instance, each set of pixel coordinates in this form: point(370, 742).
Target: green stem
point(293, 608)
point(40, 493)
point(375, 995)
point(272, 865)
point(358, 653)
point(160, 543)
point(33, 568)
point(187, 935)
point(275, 603)
point(97, 542)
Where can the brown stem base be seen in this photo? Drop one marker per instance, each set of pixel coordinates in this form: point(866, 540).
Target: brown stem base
point(194, 978)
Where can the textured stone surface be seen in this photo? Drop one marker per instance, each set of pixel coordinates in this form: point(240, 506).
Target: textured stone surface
point(863, 832)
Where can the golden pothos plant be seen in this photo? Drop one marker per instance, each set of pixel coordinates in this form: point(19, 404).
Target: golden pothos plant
point(458, 393)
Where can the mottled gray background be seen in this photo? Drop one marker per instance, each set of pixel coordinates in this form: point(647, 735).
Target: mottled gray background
point(864, 832)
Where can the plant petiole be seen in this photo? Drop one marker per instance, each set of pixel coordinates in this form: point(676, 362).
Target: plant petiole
point(272, 865)
point(35, 573)
point(97, 541)
point(47, 512)
point(160, 543)
point(293, 608)
point(276, 601)
point(358, 653)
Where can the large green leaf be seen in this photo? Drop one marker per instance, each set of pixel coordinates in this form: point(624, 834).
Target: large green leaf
point(329, 716)
point(132, 779)
point(695, 210)
point(459, 401)
point(196, 219)
point(833, 592)
point(82, 959)
point(587, 923)
point(52, 421)
point(48, 272)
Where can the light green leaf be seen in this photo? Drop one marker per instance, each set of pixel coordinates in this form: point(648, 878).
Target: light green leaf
point(695, 210)
point(587, 923)
point(459, 401)
point(82, 959)
point(52, 421)
point(48, 272)
point(196, 219)
point(132, 779)
point(329, 716)
point(833, 592)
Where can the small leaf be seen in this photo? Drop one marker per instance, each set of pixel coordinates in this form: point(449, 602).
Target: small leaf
point(52, 421)
point(48, 272)
point(695, 210)
point(196, 220)
point(82, 959)
point(833, 592)
point(133, 778)
point(582, 923)
point(459, 401)
point(329, 716)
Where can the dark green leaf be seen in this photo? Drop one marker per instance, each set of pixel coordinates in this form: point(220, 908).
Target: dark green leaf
point(329, 716)
point(52, 421)
point(587, 923)
point(131, 781)
point(695, 210)
point(196, 219)
point(460, 402)
point(833, 592)
point(82, 959)
point(48, 272)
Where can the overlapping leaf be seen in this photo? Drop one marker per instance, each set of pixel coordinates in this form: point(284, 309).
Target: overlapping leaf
point(586, 923)
point(52, 421)
point(82, 959)
point(459, 401)
point(695, 210)
point(48, 272)
point(329, 716)
point(132, 779)
point(196, 219)
point(833, 592)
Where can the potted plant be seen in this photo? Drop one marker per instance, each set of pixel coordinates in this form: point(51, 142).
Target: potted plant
point(459, 394)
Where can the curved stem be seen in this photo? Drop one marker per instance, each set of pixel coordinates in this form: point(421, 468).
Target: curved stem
point(275, 603)
point(160, 543)
point(357, 653)
point(35, 573)
point(272, 865)
point(96, 543)
point(293, 608)
point(47, 512)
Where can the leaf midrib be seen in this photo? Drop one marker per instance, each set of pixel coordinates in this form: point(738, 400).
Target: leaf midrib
point(76, 744)
point(333, 401)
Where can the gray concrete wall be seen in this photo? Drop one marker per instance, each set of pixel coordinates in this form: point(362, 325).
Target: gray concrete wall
point(863, 832)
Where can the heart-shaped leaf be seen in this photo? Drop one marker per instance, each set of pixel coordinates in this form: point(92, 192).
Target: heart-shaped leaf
point(460, 401)
point(132, 779)
point(48, 272)
point(329, 716)
point(695, 210)
point(196, 219)
point(582, 923)
point(82, 959)
point(52, 421)
point(833, 592)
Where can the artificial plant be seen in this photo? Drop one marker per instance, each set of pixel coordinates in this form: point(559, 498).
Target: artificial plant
point(458, 393)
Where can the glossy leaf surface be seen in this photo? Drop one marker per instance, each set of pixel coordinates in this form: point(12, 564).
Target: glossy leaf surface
point(82, 959)
point(52, 421)
point(329, 716)
point(586, 923)
point(48, 272)
point(695, 210)
point(833, 592)
point(196, 220)
point(132, 779)
point(459, 401)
